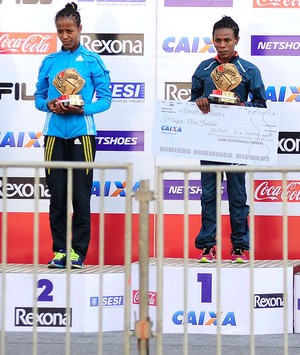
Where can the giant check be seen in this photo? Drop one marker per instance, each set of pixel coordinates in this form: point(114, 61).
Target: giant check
point(233, 134)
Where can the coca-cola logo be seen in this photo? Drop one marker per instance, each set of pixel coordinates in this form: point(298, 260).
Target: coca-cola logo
point(276, 3)
point(151, 297)
point(272, 191)
point(27, 43)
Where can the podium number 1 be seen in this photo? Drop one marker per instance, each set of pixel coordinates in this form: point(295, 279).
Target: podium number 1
point(206, 290)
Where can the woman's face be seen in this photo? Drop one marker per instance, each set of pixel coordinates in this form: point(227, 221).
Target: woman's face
point(225, 42)
point(68, 33)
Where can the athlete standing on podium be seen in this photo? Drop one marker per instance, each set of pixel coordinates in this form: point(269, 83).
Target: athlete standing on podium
point(227, 72)
point(70, 131)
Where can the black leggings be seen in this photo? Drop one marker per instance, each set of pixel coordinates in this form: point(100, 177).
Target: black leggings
point(80, 149)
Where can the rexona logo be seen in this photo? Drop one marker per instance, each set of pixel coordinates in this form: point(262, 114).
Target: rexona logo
point(20, 139)
point(179, 91)
point(272, 191)
point(188, 45)
point(114, 43)
point(23, 188)
point(120, 141)
point(204, 318)
point(272, 300)
point(276, 4)
point(275, 45)
point(199, 3)
point(289, 143)
point(274, 94)
point(45, 317)
point(27, 43)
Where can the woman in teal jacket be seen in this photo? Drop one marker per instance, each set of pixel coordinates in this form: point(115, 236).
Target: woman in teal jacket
point(70, 130)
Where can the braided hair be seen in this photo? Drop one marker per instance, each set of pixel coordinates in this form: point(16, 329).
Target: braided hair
point(227, 22)
point(70, 10)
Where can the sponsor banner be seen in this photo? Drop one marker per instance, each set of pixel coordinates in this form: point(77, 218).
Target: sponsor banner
point(188, 45)
point(275, 45)
point(127, 91)
point(152, 296)
point(180, 91)
point(276, 4)
point(51, 313)
point(289, 143)
point(234, 318)
point(120, 141)
point(199, 3)
point(174, 190)
point(114, 43)
point(272, 191)
point(272, 300)
point(27, 43)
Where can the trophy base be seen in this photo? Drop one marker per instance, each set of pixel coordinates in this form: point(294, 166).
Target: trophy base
point(223, 97)
point(71, 100)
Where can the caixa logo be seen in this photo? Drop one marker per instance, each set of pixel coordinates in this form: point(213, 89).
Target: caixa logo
point(188, 45)
point(45, 317)
point(288, 143)
point(114, 43)
point(23, 188)
point(113, 188)
point(179, 91)
point(204, 318)
point(272, 300)
point(20, 139)
point(128, 91)
point(29, 2)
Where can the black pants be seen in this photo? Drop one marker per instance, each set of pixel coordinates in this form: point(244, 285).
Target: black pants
point(82, 148)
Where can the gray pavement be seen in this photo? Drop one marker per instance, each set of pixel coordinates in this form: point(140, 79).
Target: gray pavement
point(20, 343)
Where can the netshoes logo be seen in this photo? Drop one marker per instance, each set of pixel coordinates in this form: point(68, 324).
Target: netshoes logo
point(45, 317)
point(272, 300)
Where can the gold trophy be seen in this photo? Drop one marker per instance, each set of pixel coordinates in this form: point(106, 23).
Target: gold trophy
point(69, 83)
point(226, 77)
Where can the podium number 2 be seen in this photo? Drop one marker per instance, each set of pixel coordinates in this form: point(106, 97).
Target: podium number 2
point(206, 290)
point(47, 286)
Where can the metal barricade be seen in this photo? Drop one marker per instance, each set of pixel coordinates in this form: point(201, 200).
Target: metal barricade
point(186, 171)
point(69, 166)
point(143, 332)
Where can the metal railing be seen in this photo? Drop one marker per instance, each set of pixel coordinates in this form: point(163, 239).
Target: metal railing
point(143, 332)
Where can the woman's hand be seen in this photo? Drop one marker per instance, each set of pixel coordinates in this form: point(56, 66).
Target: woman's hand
point(58, 108)
point(203, 105)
